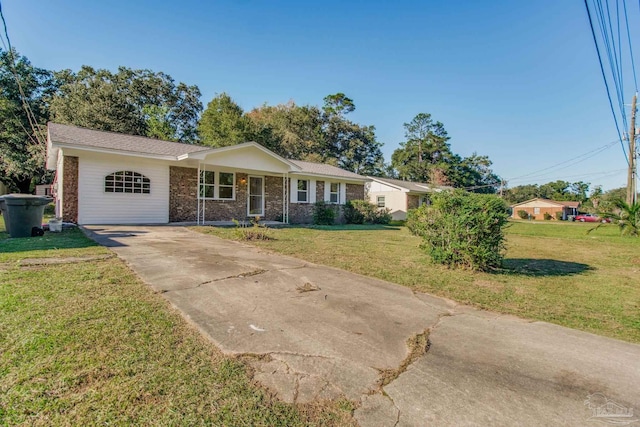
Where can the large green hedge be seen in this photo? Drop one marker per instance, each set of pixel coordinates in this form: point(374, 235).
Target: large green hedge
point(462, 229)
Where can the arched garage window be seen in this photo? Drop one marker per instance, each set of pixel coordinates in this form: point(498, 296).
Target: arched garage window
point(127, 182)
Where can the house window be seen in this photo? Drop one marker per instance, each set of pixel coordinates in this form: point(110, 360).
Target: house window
point(217, 185)
point(127, 182)
point(303, 190)
point(536, 211)
point(207, 184)
point(334, 192)
point(225, 189)
point(380, 201)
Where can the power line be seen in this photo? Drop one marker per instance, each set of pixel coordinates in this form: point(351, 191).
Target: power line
point(604, 77)
point(575, 160)
point(33, 122)
point(633, 63)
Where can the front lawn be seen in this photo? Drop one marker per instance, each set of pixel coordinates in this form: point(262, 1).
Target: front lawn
point(554, 272)
point(85, 342)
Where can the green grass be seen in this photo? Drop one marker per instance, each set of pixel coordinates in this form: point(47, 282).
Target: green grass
point(87, 343)
point(554, 272)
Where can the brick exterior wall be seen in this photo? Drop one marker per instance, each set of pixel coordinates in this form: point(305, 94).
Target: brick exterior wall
point(273, 198)
point(355, 192)
point(70, 189)
point(537, 216)
point(183, 187)
point(183, 202)
point(320, 190)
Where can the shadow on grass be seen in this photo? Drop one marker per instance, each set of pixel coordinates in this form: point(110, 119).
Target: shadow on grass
point(68, 239)
point(541, 267)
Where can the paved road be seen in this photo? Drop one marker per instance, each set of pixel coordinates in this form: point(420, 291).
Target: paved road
point(326, 333)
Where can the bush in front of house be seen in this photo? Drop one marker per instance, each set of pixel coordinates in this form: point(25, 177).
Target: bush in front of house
point(547, 216)
point(323, 214)
point(363, 212)
point(462, 229)
point(523, 214)
point(559, 215)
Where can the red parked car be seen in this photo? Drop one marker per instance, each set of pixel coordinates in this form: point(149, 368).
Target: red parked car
point(591, 218)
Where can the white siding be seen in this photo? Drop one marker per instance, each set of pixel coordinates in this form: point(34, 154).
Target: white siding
point(394, 200)
point(95, 206)
point(378, 186)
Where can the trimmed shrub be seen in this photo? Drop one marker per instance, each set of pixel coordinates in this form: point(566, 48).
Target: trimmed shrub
point(363, 212)
point(461, 229)
point(323, 214)
point(523, 214)
point(547, 216)
point(559, 215)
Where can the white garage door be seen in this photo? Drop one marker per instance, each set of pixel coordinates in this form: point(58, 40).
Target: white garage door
point(122, 190)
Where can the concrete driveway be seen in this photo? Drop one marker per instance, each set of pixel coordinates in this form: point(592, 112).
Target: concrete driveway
point(324, 333)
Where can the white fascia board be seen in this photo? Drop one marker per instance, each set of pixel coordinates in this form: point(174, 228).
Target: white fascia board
point(332, 177)
point(113, 151)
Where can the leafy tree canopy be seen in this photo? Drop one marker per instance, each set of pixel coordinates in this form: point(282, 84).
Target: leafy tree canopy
point(556, 190)
point(22, 147)
point(302, 132)
point(136, 102)
point(426, 156)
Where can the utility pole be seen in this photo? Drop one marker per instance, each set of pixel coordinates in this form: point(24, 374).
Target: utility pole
point(631, 175)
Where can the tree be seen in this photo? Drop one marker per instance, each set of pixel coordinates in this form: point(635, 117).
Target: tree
point(318, 135)
point(424, 150)
point(474, 173)
point(121, 102)
point(627, 216)
point(426, 156)
point(22, 142)
point(338, 105)
point(223, 123)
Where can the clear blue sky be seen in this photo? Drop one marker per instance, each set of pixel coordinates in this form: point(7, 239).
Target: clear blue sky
point(515, 80)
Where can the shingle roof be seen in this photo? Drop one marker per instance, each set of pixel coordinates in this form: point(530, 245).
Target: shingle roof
point(418, 187)
point(82, 137)
point(568, 204)
point(65, 134)
point(324, 169)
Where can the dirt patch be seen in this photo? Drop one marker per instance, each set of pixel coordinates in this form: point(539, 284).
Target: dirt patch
point(418, 345)
point(307, 287)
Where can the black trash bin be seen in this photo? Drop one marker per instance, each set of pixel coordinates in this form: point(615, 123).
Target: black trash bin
point(25, 213)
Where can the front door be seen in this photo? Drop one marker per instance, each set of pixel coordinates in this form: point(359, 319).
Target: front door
point(255, 205)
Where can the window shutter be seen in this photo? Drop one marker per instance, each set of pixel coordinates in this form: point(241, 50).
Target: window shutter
point(294, 190)
point(342, 188)
point(312, 191)
point(327, 191)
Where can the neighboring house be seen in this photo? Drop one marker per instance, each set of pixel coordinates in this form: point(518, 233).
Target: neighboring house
point(536, 208)
point(43, 190)
point(399, 196)
point(112, 178)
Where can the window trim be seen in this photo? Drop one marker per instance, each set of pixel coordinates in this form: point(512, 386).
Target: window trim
point(378, 198)
point(307, 191)
point(111, 184)
point(336, 193)
point(216, 185)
